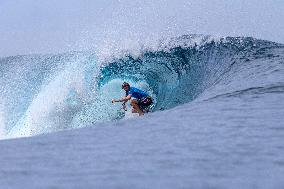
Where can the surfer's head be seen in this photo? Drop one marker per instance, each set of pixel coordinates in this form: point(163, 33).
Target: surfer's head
point(125, 86)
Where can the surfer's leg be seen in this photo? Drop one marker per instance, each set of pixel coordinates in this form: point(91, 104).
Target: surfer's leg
point(136, 108)
point(145, 104)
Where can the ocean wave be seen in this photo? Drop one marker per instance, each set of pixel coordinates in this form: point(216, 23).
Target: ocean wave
point(47, 93)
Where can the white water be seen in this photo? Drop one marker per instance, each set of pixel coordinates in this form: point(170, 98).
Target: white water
point(2, 124)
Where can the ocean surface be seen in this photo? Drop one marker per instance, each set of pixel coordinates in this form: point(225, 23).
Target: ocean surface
point(217, 120)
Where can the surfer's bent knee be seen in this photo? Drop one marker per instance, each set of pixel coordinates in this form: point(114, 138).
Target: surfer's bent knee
point(134, 102)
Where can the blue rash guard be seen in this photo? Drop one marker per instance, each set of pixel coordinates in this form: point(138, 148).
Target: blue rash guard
point(136, 93)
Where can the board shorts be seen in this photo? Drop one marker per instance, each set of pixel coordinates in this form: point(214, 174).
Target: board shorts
point(145, 103)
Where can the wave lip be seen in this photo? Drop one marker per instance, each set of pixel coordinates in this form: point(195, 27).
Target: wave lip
point(184, 67)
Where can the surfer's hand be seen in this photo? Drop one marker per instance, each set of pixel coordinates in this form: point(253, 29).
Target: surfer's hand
point(124, 107)
point(113, 101)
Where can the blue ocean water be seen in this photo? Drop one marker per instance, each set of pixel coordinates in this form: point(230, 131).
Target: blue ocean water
point(217, 120)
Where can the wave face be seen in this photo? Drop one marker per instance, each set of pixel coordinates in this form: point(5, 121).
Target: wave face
point(47, 93)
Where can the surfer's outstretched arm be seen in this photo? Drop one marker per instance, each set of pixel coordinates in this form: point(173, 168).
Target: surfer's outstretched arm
point(124, 99)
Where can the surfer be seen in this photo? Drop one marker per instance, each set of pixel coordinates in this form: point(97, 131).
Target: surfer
point(141, 101)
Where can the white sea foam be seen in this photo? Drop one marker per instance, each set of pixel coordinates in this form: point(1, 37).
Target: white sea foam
point(50, 100)
point(2, 123)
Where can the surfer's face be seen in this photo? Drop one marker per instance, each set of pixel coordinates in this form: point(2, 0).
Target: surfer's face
point(126, 88)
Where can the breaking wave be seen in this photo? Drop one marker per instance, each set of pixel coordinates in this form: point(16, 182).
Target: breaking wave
point(47, 93)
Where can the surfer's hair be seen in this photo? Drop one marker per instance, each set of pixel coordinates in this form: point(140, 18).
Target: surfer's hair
point(124, 84)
